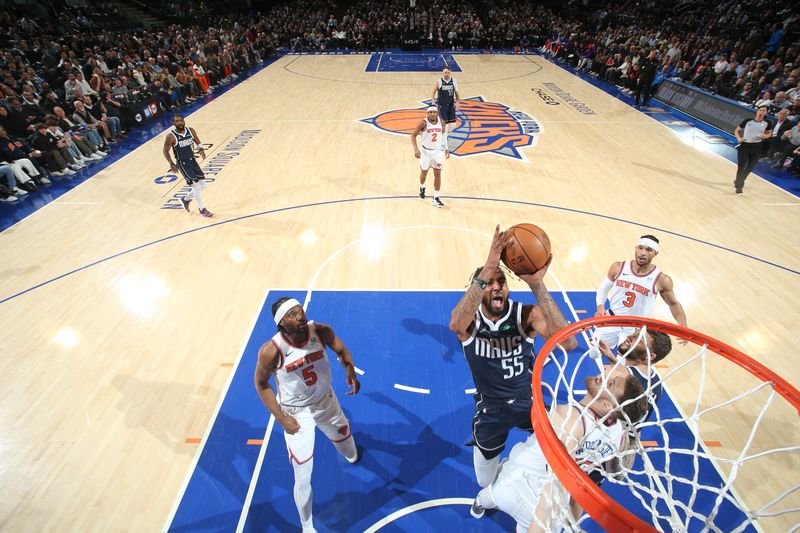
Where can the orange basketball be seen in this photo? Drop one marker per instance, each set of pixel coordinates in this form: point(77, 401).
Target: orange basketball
point(528, 250)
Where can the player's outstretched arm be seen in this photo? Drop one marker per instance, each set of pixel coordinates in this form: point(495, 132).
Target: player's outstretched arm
point(265, 367)
point(168, 142)
point(463, 314)
point(330, 339)
point(605, 287)
point(545, 318)
point(419, 129)
point(665, 288)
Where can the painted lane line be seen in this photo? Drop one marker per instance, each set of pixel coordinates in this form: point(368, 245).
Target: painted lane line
point(411, 389)
point(470, 391)
point(359, 371)
point(213, 419)
point(254, 479)
point(416, 507)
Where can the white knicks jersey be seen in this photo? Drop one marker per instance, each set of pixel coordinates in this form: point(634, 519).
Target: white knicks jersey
point(432, 138)
point(303, 373)
point(597, 446)
point(632, 294)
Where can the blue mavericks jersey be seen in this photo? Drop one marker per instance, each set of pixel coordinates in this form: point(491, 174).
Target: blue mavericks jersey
point(652, 387)
point(500, 355)
point(184, 145)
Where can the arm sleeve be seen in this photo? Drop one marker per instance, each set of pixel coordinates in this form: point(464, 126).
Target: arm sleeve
point(603, 290)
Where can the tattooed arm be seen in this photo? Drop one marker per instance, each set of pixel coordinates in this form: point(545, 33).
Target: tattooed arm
point(463, 315)
point(545, 318)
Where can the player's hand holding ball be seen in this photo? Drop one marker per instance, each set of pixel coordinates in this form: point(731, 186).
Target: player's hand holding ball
point(290, 425)
point(528, 252)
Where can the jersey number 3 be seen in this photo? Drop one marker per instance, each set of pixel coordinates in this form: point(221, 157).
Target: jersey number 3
point(309, 376)
point(512, 367)
point(630, 297)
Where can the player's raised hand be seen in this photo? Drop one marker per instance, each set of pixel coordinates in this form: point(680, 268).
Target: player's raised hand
point(290, 425)
point(352, 382)
point(499, 243)
point(537, 276)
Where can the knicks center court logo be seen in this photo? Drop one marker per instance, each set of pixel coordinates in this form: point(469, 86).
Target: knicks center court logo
point(481, 127)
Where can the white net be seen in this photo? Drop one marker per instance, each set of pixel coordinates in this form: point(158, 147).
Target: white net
point(725, 458)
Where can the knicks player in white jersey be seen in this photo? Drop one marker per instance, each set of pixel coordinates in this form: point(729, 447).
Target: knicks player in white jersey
point(305, 400)
point(433, 152)
point(631, 288)
point(590, 440)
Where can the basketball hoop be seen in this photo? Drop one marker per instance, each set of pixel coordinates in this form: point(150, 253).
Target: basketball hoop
point(671, 498)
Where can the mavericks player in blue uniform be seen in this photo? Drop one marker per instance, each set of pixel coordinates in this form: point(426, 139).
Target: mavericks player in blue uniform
point(182, 141)
point(497, 337)
point(445, 95)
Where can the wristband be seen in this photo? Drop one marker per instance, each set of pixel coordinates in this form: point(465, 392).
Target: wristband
point(480, 283)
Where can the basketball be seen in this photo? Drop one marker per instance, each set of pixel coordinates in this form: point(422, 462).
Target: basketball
point(528, 249)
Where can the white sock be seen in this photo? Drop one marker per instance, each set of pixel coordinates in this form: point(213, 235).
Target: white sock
point(485, 469)
point(435, 194)
point(196, 188)
point(348, 449)
point(302, 491)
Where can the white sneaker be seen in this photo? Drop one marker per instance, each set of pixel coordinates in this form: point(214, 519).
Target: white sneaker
point(69, 172)
point(20, 192)
point(94, 157)
point(44, 180)
point(8, 199)
point(101, 153)
point(57, 173)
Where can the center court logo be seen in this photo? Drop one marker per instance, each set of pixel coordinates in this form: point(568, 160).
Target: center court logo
point(481, 127)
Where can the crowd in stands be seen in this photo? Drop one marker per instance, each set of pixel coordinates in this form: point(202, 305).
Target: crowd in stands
point(67, 80)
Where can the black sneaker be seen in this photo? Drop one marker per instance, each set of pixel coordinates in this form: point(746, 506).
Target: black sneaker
point(476, 510)
point(206, 213)
point(422, 192)
point(739, 191)
point(186, 203)
point(436, 202)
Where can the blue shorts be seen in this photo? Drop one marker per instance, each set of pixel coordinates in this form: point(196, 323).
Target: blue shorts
point(447, 112)
point(191, 171)
point(494, 418)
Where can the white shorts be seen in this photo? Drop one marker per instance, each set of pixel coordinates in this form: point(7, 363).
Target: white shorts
point(327, 415)
point(516, 493)
point(613, 336)
point(430, 158)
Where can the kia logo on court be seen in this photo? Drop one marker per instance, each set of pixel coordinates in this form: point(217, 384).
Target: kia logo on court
point(481, 127)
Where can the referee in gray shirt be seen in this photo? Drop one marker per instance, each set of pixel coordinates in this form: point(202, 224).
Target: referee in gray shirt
point(750, 134)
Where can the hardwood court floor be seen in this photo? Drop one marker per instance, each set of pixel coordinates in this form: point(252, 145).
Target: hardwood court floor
point(106, 371)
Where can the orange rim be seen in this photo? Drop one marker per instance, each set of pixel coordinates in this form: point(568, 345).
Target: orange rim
point(606, 512)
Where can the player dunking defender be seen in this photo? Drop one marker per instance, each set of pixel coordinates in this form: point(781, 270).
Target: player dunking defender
point(445, 96)
point(433, 152)
point(633, 287)
point(182, 141)
point(497, 336)
point(296, 357)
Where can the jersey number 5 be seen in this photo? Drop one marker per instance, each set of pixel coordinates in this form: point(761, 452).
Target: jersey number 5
point(630, 297)
point(512, 367)
point(309, 376)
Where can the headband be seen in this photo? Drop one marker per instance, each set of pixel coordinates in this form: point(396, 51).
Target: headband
point(649, 243)
point(284, 308)
point(432, 108)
